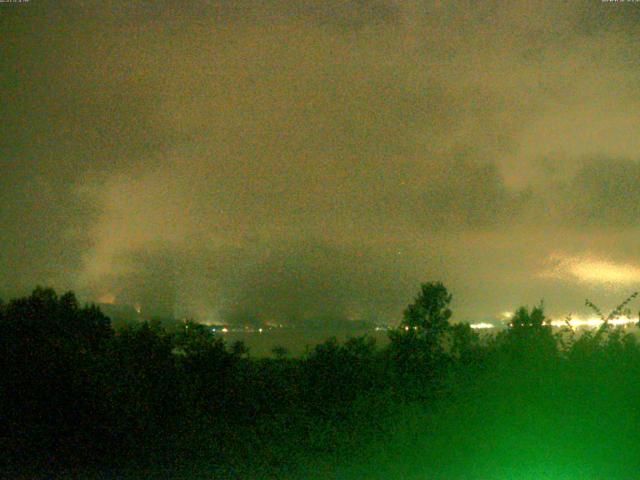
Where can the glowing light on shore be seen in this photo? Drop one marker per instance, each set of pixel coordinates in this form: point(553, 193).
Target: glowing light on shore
point(593, 322)
point(575, 322)
point(481, 326)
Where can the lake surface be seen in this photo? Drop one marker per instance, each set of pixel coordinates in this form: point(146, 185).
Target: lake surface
point(296, 341)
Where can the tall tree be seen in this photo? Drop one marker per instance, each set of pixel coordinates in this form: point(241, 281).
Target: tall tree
point(417, 346)
point(529, 337)
point(429, 314)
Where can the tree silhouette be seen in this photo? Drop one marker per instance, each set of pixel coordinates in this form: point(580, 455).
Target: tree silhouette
point(280, 352)
point(81, 395)
point(417, 346)
point(530, 338)
point(339, 373)
point(464, 344)
point(51, 350)
point(429, 313)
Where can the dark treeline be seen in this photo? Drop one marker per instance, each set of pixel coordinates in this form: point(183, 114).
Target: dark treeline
point(82, 400)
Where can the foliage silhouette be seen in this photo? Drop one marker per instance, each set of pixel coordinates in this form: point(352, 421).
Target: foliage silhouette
point(169, 402)
point(417, 347)
point(529, 338)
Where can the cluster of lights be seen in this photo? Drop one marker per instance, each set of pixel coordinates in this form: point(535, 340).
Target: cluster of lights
point(593, 322)
point(226, 330)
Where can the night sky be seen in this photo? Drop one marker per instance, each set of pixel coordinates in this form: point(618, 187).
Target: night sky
point(295, 160)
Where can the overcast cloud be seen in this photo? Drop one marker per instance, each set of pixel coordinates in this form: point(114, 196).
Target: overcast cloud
point(290, 162)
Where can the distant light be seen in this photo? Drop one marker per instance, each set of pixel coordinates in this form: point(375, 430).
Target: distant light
point(225, 330)
point(481, 326)
point(593, 322)
point(406, 328)
point(260, 330)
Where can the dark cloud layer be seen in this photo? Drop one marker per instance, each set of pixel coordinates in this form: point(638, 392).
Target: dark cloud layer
point(295, 161)
point(608, 193)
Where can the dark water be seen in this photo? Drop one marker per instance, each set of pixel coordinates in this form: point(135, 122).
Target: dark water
point(296, 341)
